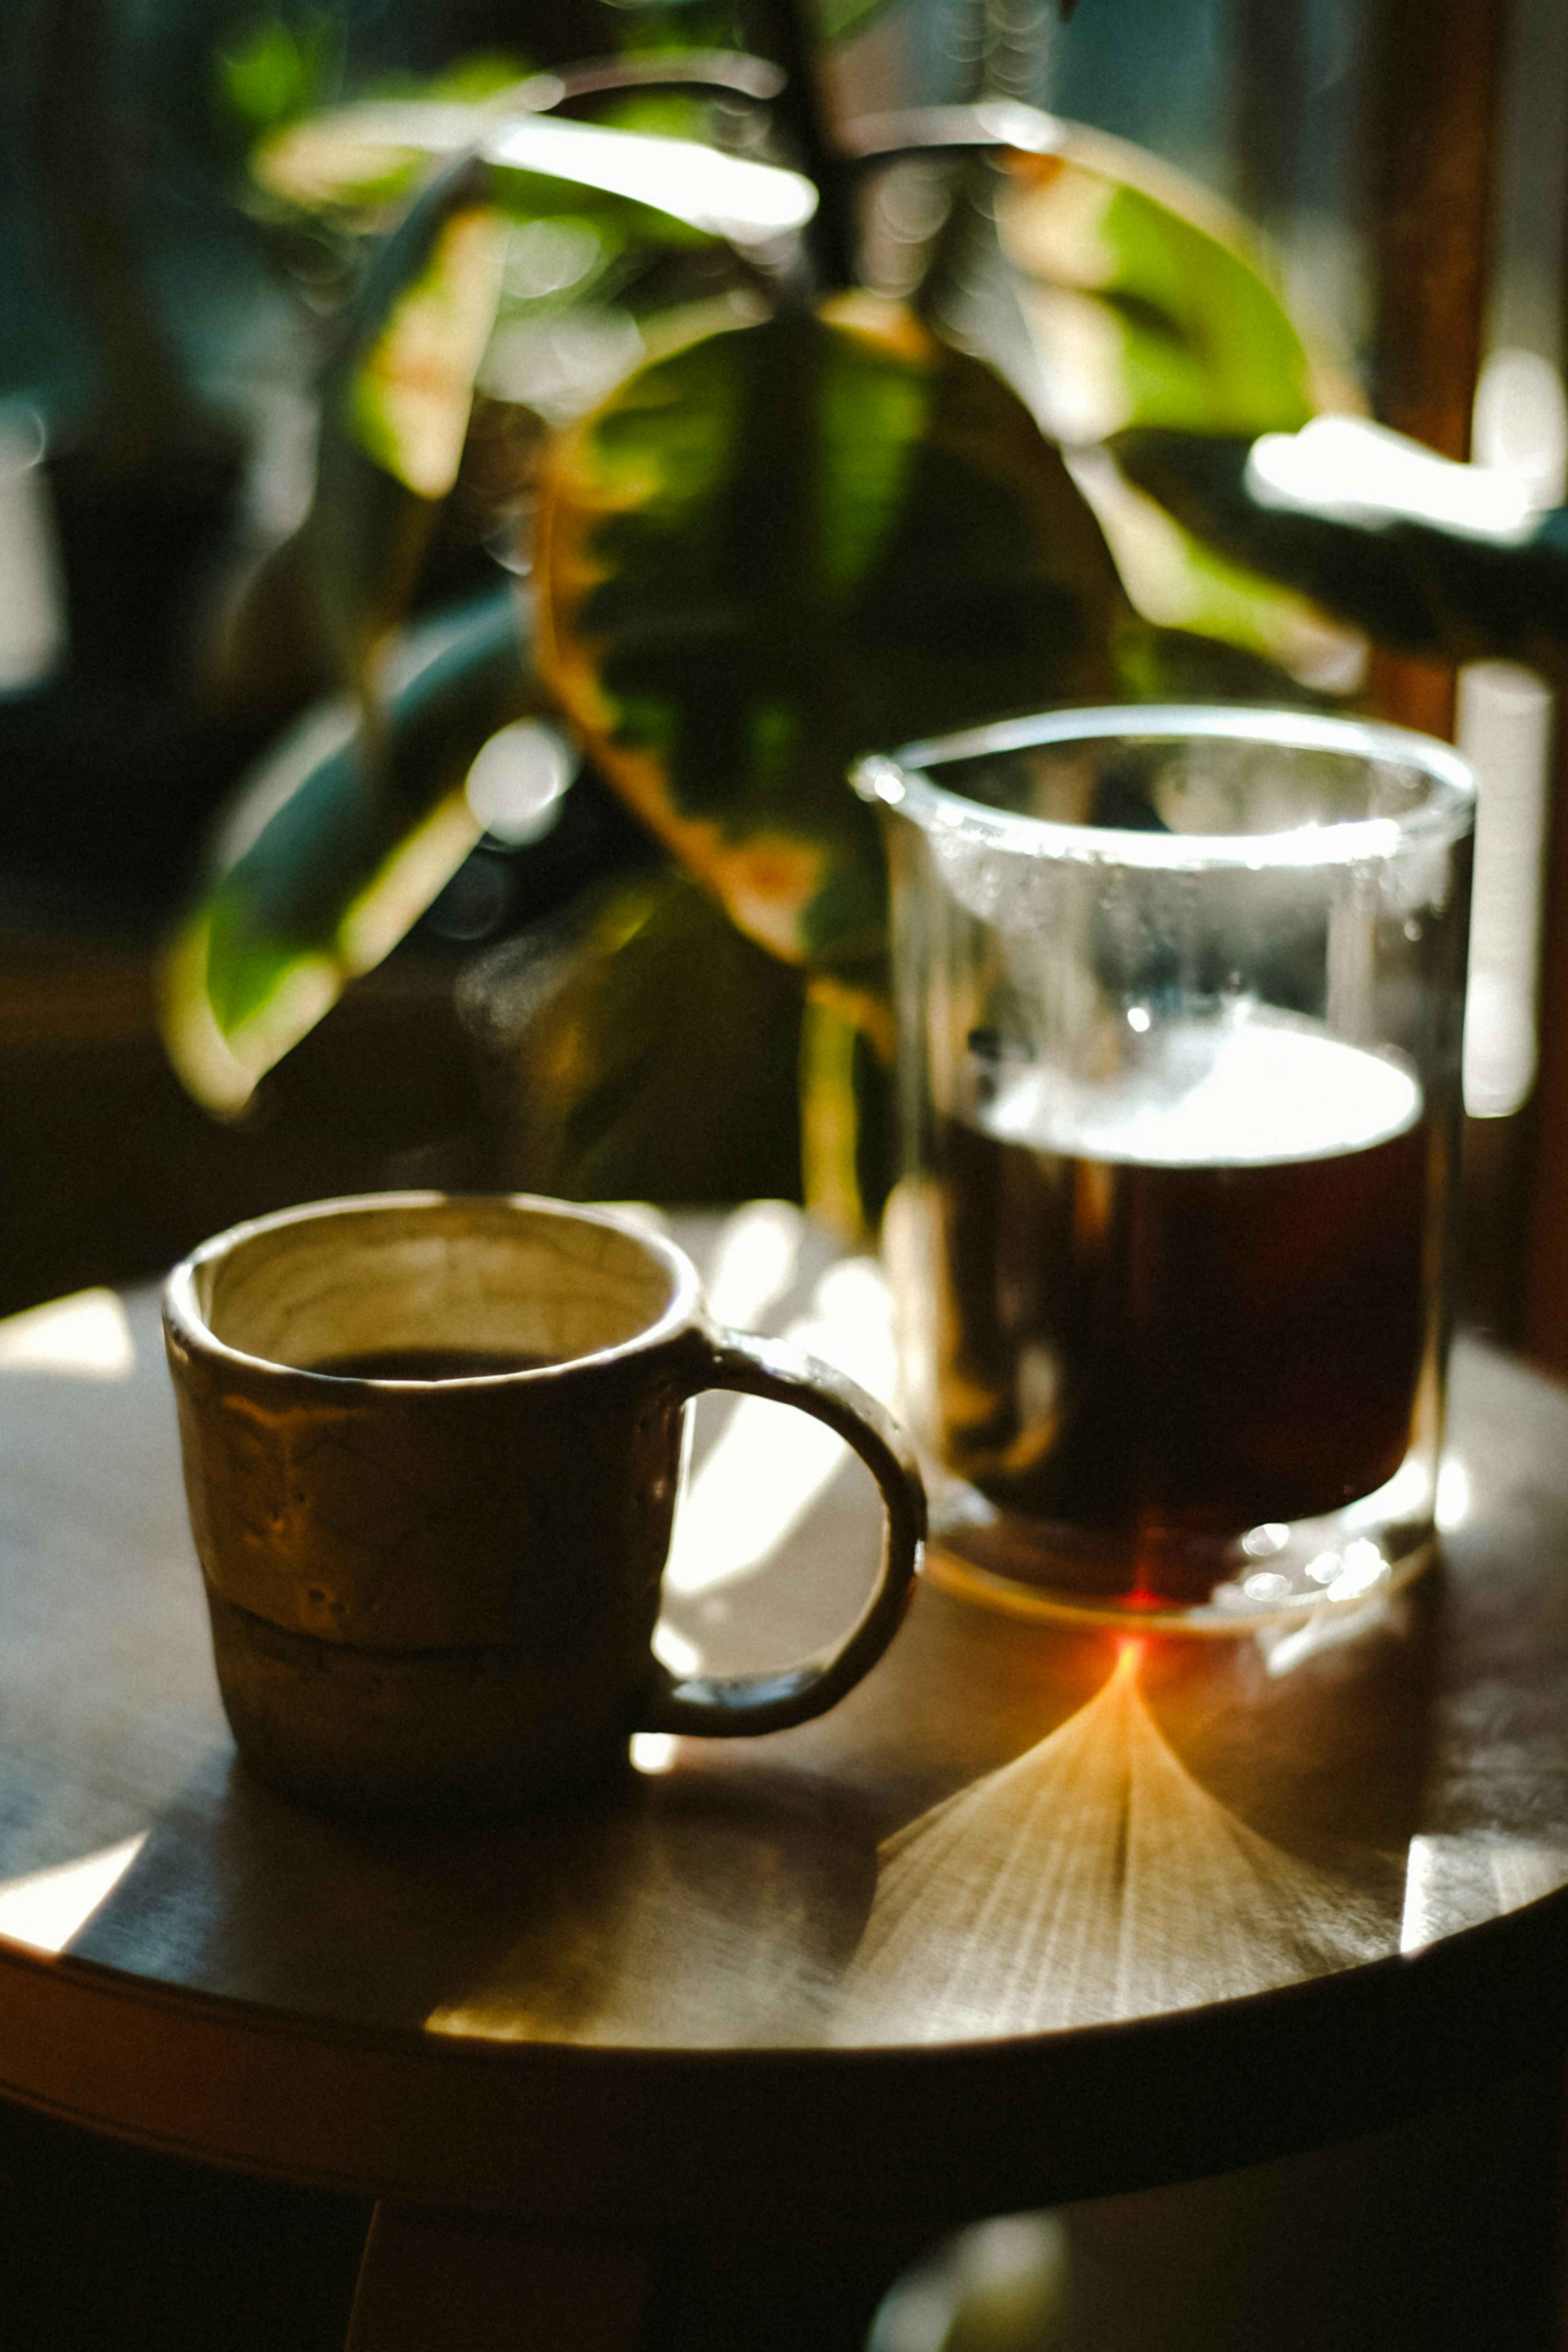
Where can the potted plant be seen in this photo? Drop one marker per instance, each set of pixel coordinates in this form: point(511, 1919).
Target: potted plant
point(807, 515)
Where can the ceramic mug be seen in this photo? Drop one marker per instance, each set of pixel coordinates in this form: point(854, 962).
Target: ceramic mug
point(432, 1448)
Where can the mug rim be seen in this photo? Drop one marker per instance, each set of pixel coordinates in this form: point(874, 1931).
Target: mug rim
point(182, 1312)
point(900, 782)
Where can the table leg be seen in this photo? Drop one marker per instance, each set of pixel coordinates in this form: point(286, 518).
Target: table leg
point(433, 2281)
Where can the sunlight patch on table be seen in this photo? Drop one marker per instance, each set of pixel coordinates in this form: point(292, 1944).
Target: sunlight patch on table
point(1453, 1495)
point(86, 1335)
point(46, 1907)
point(772, 1465)
point(653, 1751)
point(1452, 1882)
point(755, 1262)
point(1092, 1878)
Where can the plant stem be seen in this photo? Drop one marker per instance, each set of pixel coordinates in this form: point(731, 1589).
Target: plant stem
point(830, 236)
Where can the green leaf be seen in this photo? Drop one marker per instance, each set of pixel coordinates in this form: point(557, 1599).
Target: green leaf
point(365, 156)
point(781, 544)
point(620, 220)
point(397, 398)
point(338, 844)
point(659, 187)
point(1390, 537)
point(481, 76)
point(1151, 304)
point(1155, 665)
point(1178, 581)
point(410, 390)
point(678, 180)
point(650, 1054)
point(279, 73)
point(394, 408)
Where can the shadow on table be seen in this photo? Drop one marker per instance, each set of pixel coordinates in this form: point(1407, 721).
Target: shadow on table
point(677, 1911)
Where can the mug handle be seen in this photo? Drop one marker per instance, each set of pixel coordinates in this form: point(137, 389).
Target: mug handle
point(740, 1705)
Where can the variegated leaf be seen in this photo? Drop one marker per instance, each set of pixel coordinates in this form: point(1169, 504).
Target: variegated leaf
point(782, 543)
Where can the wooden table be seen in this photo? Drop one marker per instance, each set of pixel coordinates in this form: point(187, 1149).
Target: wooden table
point(1036, 1913)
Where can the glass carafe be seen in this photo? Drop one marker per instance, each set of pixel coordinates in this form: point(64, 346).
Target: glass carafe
point(1180, 1000)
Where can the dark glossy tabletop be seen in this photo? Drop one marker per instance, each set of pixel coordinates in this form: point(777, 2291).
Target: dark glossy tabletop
point(1042, 1908)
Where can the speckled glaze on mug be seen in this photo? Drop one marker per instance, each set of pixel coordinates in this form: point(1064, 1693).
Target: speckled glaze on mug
point(439, 1595)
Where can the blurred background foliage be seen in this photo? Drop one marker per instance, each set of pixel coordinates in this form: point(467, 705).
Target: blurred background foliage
point(474, 567)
